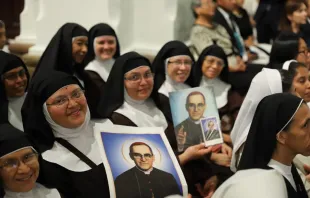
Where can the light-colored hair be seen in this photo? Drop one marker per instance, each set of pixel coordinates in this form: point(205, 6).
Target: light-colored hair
point(2, 24)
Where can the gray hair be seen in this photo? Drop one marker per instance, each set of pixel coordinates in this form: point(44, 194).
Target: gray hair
point(195, 4)
point(2, 24)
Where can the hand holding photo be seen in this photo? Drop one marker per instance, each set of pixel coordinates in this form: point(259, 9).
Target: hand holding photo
point(211, 131)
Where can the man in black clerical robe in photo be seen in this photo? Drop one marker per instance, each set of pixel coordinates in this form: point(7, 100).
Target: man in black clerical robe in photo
point(144, 180)
point(189, 131)
point(211, 133)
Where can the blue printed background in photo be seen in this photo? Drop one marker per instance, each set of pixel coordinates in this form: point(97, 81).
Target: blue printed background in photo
point(114, 142)
point(178, 101)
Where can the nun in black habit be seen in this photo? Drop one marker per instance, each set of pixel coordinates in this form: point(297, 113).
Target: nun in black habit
point(129, 100)
point(279, 131)
point(14, 82)
point(66, 53)
point(172, 75)
point(57, 118)
point(20, 180)
point(103, 49)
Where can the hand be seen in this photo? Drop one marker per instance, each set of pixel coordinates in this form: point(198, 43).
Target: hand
point(221, 159)
point(226, 150)
point(227, 138)
point(181, 137)
point(194, 152)
point(307, 169)
point(252, 57)
point(189, 196)
point(241, 66)
point(209, 188)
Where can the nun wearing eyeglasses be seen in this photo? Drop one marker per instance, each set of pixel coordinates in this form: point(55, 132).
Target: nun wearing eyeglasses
point(279, 131)
point(14, 82)
point(173, 71)
point(66, 53)
point(129, 100)
point(103, 49)
point(20, 167)
point(56, 116)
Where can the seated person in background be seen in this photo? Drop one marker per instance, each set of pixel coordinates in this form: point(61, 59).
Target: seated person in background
point(14, 78)
point(243, 21)
point(288, 46)
point(206, 33)
point(20, 166)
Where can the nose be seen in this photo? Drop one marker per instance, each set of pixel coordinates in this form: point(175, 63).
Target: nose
point(143, 81)
point(23, 168)
point(18, 79)
point(106, 46)
point(84, 49)
point(72, 103)
point(143, 159)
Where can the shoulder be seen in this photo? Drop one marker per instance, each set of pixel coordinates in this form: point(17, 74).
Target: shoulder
point(125, 175)
point(162, 173)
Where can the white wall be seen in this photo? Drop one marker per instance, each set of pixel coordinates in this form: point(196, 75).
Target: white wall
point(142, 25)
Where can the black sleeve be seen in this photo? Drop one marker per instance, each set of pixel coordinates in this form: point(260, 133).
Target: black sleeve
point(95, 78)
point(165, 106)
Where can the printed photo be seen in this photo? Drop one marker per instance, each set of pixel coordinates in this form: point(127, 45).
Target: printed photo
point(211, 131)
point(140, 163)
point(188, 107)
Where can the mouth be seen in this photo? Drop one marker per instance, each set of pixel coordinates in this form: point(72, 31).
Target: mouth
point(25, 178)
point(75, 112)
point(143, 90)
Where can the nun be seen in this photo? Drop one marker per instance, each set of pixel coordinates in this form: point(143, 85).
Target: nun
point(56, 116)
point(280, 130)
point(13, 86)
point(172, 67)
point(211, 70)
point(128, 100)
point(66, 53)
point(103, 49)
point(20, 166)
point(265, 83)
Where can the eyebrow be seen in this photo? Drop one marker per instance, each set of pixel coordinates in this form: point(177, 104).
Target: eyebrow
point(61, 96)
point(11, 72)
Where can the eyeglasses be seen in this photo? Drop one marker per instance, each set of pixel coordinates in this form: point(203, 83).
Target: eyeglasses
point(179, 63)
point(305, 52)
point(212, 61)
point(136, 77)
point(14, 76)
point(13, 164)
point(62, 101)
point(140, 156)
point(194, 106)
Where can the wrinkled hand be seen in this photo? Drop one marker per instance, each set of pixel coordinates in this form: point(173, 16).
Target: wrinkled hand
point(307, 169)
point(209, 188)
point(194, 152)
point(226, 150)
point(221, 159)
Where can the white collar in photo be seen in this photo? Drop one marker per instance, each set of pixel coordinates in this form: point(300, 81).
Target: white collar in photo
point(142, 113)
point(81, 138)
point(39, 191)
point(101, 67)
point(220, 90)
point(14, 111)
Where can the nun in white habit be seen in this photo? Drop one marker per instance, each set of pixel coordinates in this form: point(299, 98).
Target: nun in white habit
point(103, 49)
point(57, 117)
point(253, 183)
point(15, 146)
point(173, 71)
point(13, 86)
point(265, 83)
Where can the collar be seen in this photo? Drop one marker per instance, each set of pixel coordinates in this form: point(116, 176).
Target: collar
point(224, 13)
point(39, 191)
point(148, 172)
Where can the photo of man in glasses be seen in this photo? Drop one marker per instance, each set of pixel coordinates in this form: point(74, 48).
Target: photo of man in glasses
point(189, 132)
point(144, 180)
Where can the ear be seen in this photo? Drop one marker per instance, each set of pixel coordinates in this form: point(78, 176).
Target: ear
point(290, 17)
point(282, 137)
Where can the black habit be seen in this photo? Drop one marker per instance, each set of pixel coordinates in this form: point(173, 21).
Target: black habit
point(90, 183)
point(157, 184)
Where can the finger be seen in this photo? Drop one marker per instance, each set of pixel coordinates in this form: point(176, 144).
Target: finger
point(185, 134)
point(307, 168)
point(308, 178)
point(199, 189)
